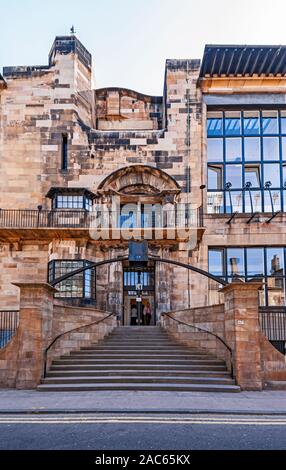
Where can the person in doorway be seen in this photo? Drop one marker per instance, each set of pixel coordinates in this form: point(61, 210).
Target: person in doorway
point(148, 314)
point(133, 315)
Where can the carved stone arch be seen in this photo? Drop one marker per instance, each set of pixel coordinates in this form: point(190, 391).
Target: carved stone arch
point(140, 179)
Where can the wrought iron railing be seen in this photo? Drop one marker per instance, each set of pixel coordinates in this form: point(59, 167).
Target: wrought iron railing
point(195, 328)
point(9, 322)
point(80, 218)
point(273, 322)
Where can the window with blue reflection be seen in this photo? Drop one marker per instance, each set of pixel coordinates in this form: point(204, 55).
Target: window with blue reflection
point(233, 149)
point(234, 175)
point(270, 148)
point(216, 262)
point(284, 175)
point(255, 261)
point(234, 201)
point(251, 123)
point(283, 141)
point(215, 150)
point(252, 150)
point(275, 261)
point(215, 124)
point(272, 174)
point(252, 175)
point(256, 201)
point(215, 177)
point(235, 262)
point(283, 122)
point(269, 122)
point(232, 123)
point(272, 202)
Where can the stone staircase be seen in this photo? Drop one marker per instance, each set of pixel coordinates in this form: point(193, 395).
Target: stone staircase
point(138, 358)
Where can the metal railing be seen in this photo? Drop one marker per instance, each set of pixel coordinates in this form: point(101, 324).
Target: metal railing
point(81, 218)
point(9, 322)
point(67, 332)
point(273, 322)
point(202, 330)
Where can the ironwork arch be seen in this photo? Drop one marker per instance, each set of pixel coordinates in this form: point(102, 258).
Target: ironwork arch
point(124, 258)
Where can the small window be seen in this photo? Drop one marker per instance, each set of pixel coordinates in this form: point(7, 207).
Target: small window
point(215, 177)
point(233, 150)
point(64, 152)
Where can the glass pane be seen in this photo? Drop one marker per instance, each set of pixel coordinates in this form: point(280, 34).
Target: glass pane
point(272, 174)
point(236, 198)
point(275, 261)
point(233, 150)
point(215, 180)
point(270, 148)
point(252, 175)
point(215, 203)
point(232, 123)
point(252, 148)
point(283, 122)
point(256, 201)
point(255, 261)
point(235, 262)
point(214, 124)
point(275, 200)
point(251, 123)
point(216, 262)
point(283, 148)
point(269, 122)
point(275, 291)
point(215, 150)
point(234, 175)
point(284, 176)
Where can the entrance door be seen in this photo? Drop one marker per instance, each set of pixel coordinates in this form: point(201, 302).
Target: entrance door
point(133, 310)
point(134, 314)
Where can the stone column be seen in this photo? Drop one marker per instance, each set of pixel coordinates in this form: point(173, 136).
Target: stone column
point(35, 331)
point(242, 332)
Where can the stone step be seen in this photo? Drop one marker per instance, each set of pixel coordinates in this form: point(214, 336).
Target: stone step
point(140, 366)
point(136, 355)
point(136, 372)
point(119, 349)
point(139, 386)
point(139, 352)
point(136, 360)
point(139, 379)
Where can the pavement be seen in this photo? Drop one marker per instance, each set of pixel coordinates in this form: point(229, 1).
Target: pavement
point(244, 403)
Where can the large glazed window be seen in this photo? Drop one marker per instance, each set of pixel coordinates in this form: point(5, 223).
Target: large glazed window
point(80, 286)
point(263, 264)
point(249, 147)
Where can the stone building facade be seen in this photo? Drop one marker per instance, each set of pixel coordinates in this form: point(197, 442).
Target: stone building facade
point(67, 149)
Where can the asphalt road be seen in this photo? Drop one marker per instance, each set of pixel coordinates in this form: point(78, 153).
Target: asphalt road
point(138, 432)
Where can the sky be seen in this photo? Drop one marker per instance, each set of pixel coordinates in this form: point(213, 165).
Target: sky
point(130, 40)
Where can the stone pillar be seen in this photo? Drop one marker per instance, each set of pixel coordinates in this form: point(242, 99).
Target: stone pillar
point(35, 331)
point(242, 332)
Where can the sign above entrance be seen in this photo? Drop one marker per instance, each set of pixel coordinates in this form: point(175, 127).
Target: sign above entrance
point(138, 252)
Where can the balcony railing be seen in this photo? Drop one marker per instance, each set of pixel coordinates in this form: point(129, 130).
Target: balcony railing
point(79, 218)
point(9, 321)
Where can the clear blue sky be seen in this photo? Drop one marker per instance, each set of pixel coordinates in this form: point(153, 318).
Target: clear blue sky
point(131, 39)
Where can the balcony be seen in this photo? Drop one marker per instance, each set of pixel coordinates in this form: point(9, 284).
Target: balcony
point(16, 224)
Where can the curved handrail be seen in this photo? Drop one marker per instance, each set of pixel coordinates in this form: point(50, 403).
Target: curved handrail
point(206, 331)
point(65, 333)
